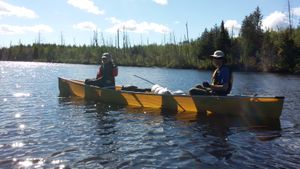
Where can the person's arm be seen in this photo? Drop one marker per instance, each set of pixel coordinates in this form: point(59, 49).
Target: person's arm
point(99, 73)
point(222, 87)
point(115, 71)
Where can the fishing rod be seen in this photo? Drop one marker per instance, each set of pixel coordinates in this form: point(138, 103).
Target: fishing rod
point(144, 79)
point(155, 84)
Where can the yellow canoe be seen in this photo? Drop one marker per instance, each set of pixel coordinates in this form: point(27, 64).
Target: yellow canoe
point(260, 107)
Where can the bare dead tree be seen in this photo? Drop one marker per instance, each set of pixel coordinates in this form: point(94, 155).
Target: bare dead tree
point(95, 38)
point(62, 40)
point(290, 17)
point(118, 39)
point(103, 39)
point(187, 32)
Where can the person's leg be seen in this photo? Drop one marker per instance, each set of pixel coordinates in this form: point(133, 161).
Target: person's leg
point(199, 86)
point(106, 84)
point(89, 81)
point(198, 91)
point(94, 82)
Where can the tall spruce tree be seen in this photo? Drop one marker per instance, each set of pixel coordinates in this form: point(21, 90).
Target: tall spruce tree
point(251, 38)
point(207, 44)
point(223, 41)
point(287, 52)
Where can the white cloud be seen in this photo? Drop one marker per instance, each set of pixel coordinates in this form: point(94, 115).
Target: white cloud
point(161, 2)
point(233, 27)
point(7, 9)
point(114, 20)
point(276, 20)
point(133, 26)
point(18, 30)
point(232, 24)
point(90, 26)
point(296, 11)
point(86, 5)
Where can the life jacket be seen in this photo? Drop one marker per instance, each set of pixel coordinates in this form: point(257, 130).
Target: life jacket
point(216, 82)
point(107, 73)
point(108, 70)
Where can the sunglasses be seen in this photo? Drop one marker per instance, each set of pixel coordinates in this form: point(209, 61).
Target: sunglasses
point(218, 58)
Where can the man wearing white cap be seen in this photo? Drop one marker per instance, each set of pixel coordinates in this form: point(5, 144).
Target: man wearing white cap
point(221, 78)
point(106, 73)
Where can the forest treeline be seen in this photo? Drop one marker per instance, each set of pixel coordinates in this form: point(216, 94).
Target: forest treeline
point(253, 50)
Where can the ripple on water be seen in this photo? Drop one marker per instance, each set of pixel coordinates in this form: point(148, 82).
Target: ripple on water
point(21, 94)
point(40, 130)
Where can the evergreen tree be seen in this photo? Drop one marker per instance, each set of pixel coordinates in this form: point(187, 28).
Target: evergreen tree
point(286, 53)
point(223, 40)
point(206, 47)
point(251, 38)
point(268, 52)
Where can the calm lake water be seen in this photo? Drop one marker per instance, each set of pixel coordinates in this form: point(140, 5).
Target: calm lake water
point(38, 129)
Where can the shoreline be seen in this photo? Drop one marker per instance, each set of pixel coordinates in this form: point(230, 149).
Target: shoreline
point(183, 68)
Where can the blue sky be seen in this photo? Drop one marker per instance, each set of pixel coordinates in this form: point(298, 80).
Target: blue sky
point(145, 21)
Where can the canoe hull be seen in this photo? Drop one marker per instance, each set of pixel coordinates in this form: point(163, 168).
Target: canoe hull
point(245, 106)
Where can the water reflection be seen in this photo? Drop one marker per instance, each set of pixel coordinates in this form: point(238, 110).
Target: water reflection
point(220, 130)
point(216, 125)
point(128, 135)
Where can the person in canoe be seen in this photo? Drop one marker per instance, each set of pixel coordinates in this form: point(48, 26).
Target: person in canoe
point(106, 73)
point(221, 79)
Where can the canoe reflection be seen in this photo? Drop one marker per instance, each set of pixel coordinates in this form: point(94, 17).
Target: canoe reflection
point(215, 125)
point(127, 133)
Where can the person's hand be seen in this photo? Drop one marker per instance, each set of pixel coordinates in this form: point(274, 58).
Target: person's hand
point(206, 84)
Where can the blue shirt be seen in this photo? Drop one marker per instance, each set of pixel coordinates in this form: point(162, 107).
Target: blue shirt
point(221, 76)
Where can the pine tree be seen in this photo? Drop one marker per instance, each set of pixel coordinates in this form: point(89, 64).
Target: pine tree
point(251, 38)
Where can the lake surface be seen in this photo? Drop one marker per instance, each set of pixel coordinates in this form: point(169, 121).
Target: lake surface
point(38, 129)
